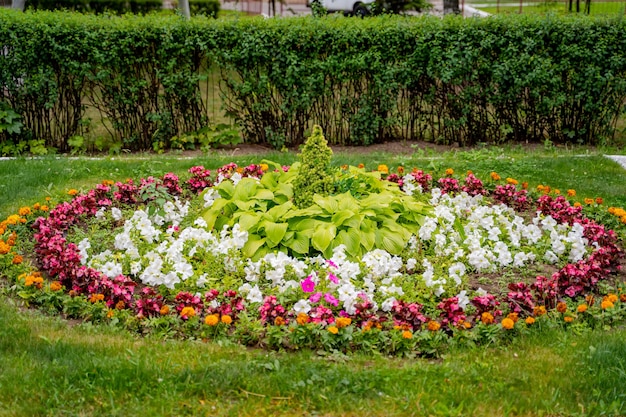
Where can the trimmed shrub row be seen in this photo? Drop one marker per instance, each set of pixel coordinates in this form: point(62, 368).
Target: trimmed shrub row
point(197, 7)
point(520, 78)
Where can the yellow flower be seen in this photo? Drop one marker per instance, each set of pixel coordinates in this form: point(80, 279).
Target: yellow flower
point(487, 318)
point(383, 168)
point(512, 181)
point(582, 308)
point(226, 319)
point(13, 219)
point(24, 211)
point(449, 171)
point(530, 321)
point(333, 329)
point(72, 191)
point(188, 312)
point(407, 334)
point(433, 326)
point(571, 193)
point(343, 322)
point(211, 320)
point(302, 318)
point(55, 286)
point(508, 324)
point(495, 176)
point(264, 167)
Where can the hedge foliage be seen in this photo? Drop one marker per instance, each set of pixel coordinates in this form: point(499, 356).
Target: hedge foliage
point(522, 78)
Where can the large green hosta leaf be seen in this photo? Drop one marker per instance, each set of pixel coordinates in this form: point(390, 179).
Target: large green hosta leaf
point(383, 219)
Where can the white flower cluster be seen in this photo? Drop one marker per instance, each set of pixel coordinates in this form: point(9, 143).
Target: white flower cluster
point(464, 235)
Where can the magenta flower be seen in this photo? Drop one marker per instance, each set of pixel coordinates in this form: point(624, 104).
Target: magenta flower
point(308, 285)
point(315, 298)
point(331, 300)
point(333, 278)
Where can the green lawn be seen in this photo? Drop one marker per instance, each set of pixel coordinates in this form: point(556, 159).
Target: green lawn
point(507, 6)
point(52, 367)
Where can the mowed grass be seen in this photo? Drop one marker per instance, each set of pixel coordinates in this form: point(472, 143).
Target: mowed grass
point(610, 8)
point(51, 367)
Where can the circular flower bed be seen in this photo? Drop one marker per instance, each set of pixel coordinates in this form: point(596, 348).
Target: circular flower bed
point(229, 256)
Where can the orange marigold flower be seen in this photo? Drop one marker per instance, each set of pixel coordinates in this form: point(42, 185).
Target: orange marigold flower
point(4, 248)
point(599, 200)
point(507, 323)
point(187, 312)
point(400, 170)
point(226, 319)
point(120, 305)
point(622, 297)
point(495, 176)
point(568, 319)
point(433, 326)
point(110, 313)
point(590, 299)
point(367, 326)
point(302, 318)
point(72, 191)
point(623, 219)
point(525, 185)
point(55, 286)
point(469, 172)
point(361, 166)
point(279, 321)
point(24, 211)
point(606, 304)
point(539, 311)
point(513, 316)
point(211, 320)
point(512, 181)
point(546, 189)
point(612, 298)
point(582, 308)
point(487, 318)
point(466, 324)
point(407, 334)
point(577, 204)
point(264, 167)
point(333, 329)
point(383, 168)
point(588, 201)
point(36, 206)
point(344, 167)
point(343, 322)
point(557, 191)
point(571, 193)
point(45, 208)
point(96, 297)
point(561, 307)
point(164, 310)
point(108, 182)
point(449, 171)
point(17, 259)
point(530, 321)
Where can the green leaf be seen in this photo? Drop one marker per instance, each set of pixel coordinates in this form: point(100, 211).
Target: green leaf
point(278, 212)
point(264, 194)
point(340, 217)
point(274, 232)
point(299, 244)
point(248, 221)
point(389, 241)
point(245, 189)
point(323, 235)
point(252, 246)
point(329, 204)
point(351, 238)
point(226, 189)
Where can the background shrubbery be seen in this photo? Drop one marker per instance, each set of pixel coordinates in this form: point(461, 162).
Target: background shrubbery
point(521, 78)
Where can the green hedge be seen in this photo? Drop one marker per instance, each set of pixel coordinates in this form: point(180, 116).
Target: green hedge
point(97, 6)
point(521, 78)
